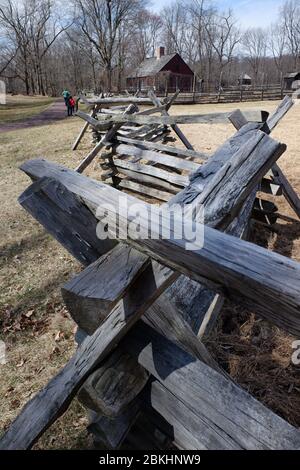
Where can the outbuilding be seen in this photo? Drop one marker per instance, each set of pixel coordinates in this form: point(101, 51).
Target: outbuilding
point(245, 80)
point(292, 81)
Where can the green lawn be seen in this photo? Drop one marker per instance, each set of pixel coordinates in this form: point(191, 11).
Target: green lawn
point(22, 107)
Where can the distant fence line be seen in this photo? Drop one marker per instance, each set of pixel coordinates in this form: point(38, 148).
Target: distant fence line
point(225, 95)
point(234, 96)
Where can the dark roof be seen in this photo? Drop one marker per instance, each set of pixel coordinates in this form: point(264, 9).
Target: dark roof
point(292, 75)
point(151, 66)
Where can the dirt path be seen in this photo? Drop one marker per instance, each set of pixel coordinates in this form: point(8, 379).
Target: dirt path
point(55, 112)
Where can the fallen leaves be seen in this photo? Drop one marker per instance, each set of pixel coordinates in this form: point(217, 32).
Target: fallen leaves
point(37, 319)
point(15, 404)
point(29, 313)
point(13, 322)
point(59, 336)
point(81, 422)
point(54, 352)
point(21, 363)
point(17, 259)
point(38, 370)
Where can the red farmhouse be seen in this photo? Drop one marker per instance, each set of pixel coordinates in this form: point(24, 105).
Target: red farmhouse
point(164, 73)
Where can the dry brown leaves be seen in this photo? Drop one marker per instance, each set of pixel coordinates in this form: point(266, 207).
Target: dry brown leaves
point(12, 322)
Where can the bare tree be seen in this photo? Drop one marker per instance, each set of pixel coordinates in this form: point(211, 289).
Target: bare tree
point(145, 29)
point(255, 47)
point(31, 29)
point(277, 45)
point(177, 34)
point(224, 36)
point(84, 59)
point(101, 21)
point(15, 21)
point(200, 13)
point(97, 42)
point(290, 14)
point(44, 29)
point(8, 55)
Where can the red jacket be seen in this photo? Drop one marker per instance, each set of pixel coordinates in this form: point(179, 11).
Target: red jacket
point(72, 102)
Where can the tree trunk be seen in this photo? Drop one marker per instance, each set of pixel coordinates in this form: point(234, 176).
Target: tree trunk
point(26, 76)
point(109, 77)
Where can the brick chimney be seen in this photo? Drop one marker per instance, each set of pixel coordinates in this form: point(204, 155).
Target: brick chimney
point(160, 51)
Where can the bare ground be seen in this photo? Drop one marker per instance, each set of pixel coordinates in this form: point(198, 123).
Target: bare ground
point(37, 329)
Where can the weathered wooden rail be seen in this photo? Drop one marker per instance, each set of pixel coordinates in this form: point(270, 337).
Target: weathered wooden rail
point(142, 307)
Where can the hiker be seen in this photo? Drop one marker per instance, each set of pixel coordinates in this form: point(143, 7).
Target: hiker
point(66, 94)
point(71, 106)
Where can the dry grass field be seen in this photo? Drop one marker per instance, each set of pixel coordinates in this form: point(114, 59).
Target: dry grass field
point(35, 326)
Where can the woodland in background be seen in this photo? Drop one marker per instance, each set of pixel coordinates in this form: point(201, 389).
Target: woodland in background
point(47, 45)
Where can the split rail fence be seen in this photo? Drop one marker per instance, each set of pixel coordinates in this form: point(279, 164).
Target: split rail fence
point(143, 307)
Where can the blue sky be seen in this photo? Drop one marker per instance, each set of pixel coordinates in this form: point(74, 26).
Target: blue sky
point(249, 12)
